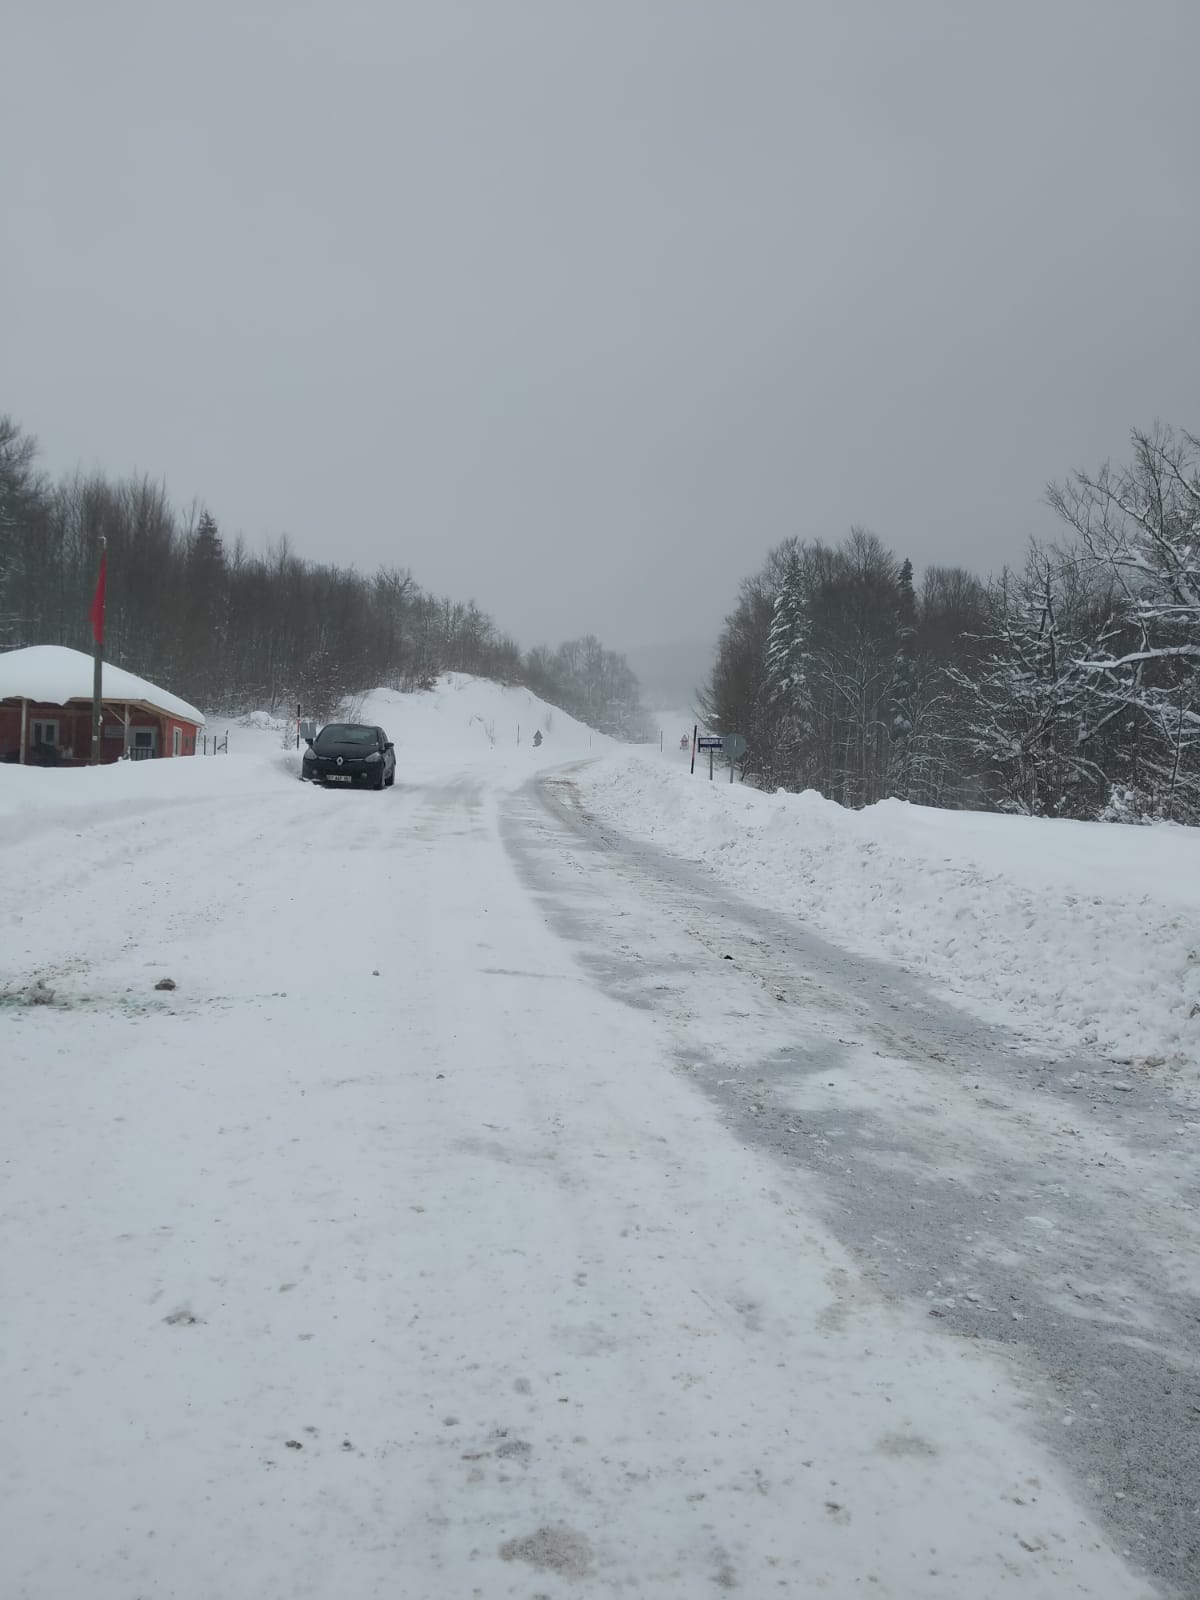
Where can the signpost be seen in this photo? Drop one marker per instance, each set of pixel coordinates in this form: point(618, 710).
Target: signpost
point(712, 743)
point(731, 745)
point(735, 749)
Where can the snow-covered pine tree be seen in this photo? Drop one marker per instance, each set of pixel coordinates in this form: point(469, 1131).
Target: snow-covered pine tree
point(1032, 710)
point(204, 614)
point(22, 505)
point(785, 681)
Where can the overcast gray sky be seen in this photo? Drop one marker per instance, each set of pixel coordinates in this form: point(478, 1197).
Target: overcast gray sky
point(577, 308)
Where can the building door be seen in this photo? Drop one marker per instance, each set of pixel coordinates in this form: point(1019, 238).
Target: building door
point(43, 742)
point(176, 741)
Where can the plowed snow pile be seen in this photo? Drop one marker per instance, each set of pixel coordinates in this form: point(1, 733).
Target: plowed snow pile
point(1087, 934)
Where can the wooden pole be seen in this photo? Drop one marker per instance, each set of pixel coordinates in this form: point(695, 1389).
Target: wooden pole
point(24, 728)
point(97, 692)
point(98, 664)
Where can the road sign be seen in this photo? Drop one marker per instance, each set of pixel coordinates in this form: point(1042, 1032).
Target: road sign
point(731, 745)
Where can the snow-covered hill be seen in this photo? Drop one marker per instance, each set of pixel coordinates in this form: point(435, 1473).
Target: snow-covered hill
point(460, 717)
point(1085, 934)
point(463, 715)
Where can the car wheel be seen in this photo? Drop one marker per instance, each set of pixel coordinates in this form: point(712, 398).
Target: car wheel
point(377, 785)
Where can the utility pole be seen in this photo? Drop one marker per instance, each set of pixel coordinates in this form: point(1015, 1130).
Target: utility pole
point(98, 665)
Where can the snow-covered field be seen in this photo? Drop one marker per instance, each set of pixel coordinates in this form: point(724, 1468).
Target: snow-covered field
point(392, 1253)
point(1087, 935)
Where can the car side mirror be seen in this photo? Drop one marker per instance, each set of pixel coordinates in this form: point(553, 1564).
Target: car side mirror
point(308, 740)
point(389, 745)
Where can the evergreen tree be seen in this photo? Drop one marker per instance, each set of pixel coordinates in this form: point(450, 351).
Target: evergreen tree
point(23, 541)
point(1032, 711)
point(785, 681)
point(205, 614)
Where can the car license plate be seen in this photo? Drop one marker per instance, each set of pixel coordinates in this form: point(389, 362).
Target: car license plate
point(337, 777)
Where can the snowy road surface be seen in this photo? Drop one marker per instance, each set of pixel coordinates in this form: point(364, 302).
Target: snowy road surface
point(464, 1224)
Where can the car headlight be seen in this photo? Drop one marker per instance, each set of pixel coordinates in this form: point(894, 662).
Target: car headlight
point(374, 756)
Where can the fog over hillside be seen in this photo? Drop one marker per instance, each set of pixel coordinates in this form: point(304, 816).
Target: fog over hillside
point(670, 673)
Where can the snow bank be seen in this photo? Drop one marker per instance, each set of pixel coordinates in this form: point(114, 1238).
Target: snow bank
point(33, 799)
point(1087, 934)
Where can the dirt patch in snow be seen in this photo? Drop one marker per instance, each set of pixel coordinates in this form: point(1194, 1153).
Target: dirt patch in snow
point(558, 1549)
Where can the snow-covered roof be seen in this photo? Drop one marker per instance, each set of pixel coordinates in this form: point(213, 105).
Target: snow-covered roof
point(51, 674)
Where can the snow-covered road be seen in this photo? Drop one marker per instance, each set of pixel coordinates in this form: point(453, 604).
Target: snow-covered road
point(439, 1234)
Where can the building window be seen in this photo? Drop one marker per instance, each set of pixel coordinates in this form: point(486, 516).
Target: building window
point(176, 741)
point(45, 733)
point(143, 738)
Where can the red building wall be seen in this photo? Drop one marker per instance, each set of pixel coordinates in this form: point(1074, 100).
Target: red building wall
point(75, 733)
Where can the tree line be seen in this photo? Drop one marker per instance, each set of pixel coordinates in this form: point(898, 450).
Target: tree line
point(1067, 687)
point(236, 630)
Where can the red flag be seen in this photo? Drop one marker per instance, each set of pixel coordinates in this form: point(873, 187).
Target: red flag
point(97, 611)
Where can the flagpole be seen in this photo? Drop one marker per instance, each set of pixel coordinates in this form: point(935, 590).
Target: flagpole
point(98, 665)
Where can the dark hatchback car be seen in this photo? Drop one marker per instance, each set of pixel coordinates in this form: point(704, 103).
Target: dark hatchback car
point(349, 753)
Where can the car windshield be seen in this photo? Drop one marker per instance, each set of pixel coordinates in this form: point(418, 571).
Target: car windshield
point(344, 733)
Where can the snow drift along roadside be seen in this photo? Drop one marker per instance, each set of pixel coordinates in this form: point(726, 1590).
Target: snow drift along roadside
point(1085, 934)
